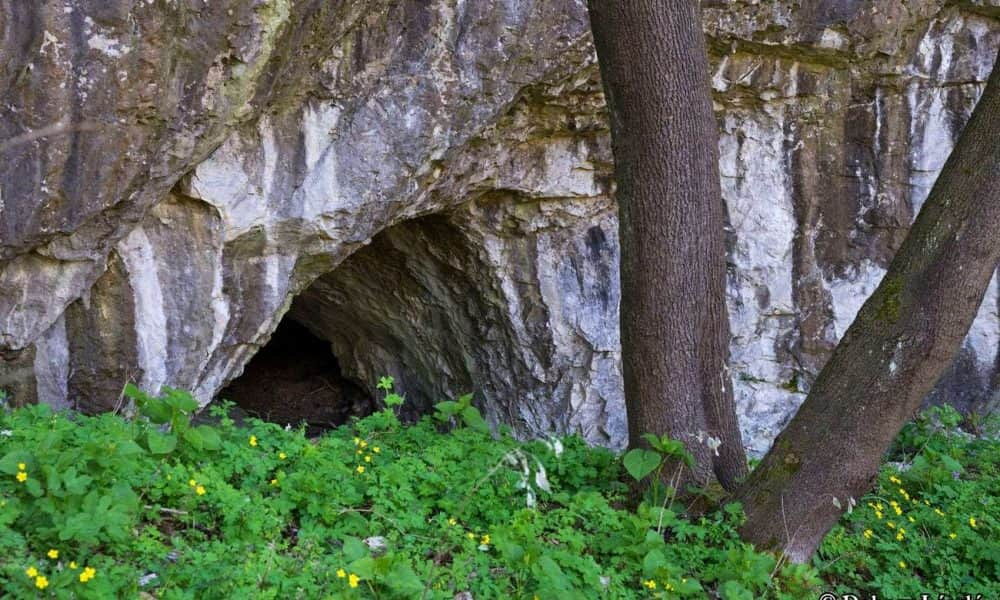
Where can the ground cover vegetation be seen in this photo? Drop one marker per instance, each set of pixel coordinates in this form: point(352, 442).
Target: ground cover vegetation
point(154, 506)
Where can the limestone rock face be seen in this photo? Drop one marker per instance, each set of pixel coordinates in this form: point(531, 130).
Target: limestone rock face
point(427, 185)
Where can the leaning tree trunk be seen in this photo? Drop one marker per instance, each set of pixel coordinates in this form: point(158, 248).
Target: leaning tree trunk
point(674, 325)
point(903, 338)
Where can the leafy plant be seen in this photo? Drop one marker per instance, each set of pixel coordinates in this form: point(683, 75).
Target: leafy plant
point(930, 523)
point(376, 509)
point(461, 411)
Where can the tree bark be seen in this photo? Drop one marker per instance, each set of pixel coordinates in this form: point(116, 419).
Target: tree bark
point(902, 340)
point(674, 324)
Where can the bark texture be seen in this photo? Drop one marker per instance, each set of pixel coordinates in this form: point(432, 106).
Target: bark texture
point(903, 339)
point(674, 326)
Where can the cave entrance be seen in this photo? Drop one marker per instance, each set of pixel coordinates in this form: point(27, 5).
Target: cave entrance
point(294, 379)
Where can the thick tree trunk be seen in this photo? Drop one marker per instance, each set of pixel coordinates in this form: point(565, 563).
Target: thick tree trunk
point(674, 325)
point(903, 338)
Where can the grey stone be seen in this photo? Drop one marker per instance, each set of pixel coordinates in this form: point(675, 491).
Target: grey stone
point(427, 185)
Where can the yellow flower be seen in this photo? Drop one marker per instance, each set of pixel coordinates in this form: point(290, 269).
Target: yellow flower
point(200, 490)
point(895, 479)
point(869, 533)
point(353, 580)
point(22, 467)
point(972, 522)
point(341, 573)
point(878, 514)
point(902, 564)
point(650, 584)
point(53, 554)
point(363, 444)
point(31, 572)
point(485, 539)
point(453, 521)
point(274, 482)
point(72, 565)
point(360, 452)
point(878, 506)
point(357, 441)
point(368, 458)
point(22, 476)
point(953, 535)
point(253, 440)
point(87, 574)
point(890, 524)
point(192, 482)
point(939, 512)
point(899, 511)
point(910, 519)
point(899, 537)
point(376, 449)
point(360, 469)
point(471, 535)
point(41, 582)
point(282, 455)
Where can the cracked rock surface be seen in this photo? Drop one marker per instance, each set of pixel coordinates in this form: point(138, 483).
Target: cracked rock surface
point(427, 186)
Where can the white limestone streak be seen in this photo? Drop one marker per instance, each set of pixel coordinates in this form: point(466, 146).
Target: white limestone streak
point(150, 318)
point(52, 365)
point(984, 335)
point(850, 293)
point(758, 194)
point(321, 193)
point(209, 382)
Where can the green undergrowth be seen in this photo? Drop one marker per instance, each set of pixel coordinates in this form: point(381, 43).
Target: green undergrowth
point(103, 507)
point(932, 523)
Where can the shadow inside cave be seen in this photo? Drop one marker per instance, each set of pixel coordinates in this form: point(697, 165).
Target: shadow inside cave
point(295, 379)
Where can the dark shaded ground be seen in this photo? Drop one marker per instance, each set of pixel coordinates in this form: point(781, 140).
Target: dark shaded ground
point(295, 379)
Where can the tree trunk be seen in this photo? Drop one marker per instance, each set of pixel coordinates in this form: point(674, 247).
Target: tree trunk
point(674, 324)
point(902, 340)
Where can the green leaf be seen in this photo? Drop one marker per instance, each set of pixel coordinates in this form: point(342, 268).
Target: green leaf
point(734, 590)
point(393, 400)
point(181, 400)
point(385, 383)
point(640, 462)
point(363, 567)
point(8, 464)
point(210, 437)
point(474, 420)
point(653, 560)
point(33, 486)
point(193, 436)
point(354, 549)
point(446, 410)
point(161, 443)
point(404, 580)
point(132, 392)
point(155, 410)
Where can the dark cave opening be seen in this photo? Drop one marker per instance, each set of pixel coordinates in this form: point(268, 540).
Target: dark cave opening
point(296, 379)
